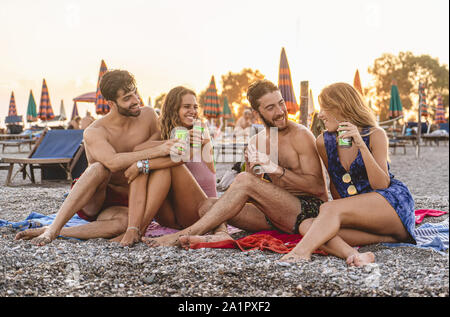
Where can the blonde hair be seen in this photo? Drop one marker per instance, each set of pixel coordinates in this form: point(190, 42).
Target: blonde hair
point(347, 101)
point(169, 118)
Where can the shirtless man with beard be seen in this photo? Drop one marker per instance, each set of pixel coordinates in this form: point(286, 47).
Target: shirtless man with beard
point(100, 195)
point(295, 189)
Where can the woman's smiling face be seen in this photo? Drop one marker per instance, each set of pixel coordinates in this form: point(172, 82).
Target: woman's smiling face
point(188, 111)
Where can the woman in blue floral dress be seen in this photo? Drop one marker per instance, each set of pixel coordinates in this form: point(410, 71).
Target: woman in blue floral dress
point(369, 205)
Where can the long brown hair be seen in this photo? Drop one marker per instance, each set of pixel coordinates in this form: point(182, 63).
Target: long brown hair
point(169, 118)
point(345, 99)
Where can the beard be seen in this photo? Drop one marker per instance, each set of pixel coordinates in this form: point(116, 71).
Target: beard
point(270, 124)
point(126, 112)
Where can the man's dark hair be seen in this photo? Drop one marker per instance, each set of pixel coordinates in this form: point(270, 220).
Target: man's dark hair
point(114, 80)
point(258, 89)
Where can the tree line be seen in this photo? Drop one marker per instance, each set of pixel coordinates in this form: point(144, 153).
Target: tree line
point(405, 68)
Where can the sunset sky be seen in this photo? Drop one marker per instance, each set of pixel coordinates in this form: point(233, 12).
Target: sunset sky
point(166, 43)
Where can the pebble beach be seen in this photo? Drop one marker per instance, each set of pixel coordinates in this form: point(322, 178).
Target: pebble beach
point(101, 268)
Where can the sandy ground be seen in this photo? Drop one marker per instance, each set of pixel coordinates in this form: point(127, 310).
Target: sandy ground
point(100, 268)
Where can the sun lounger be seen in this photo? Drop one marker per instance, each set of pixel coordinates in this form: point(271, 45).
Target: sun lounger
point(54, 148)
point(17, 143)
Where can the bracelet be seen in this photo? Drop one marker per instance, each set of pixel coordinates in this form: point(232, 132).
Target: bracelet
point(146, 166)
point(134, 228)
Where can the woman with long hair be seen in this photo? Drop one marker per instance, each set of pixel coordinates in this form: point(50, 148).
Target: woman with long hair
point(369, 206)
point(172, 192)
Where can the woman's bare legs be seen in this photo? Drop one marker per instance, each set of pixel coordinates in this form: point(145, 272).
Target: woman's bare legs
point(364, 213)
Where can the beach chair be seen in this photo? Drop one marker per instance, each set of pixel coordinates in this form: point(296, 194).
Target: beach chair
point(436, 136)
point(55, 149)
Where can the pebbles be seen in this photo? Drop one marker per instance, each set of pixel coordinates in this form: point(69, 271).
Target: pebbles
point(99, 268)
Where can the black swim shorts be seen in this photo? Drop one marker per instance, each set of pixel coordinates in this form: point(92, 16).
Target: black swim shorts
point(310, 209)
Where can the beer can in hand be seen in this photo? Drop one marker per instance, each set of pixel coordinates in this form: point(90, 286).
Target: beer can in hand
point(257, 169)
point(346, 142)
point(198, 131)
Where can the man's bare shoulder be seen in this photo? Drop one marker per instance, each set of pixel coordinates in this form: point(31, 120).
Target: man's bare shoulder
point(300, 131)
point(94, 131)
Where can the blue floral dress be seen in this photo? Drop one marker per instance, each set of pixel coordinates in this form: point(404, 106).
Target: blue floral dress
point(397, 194)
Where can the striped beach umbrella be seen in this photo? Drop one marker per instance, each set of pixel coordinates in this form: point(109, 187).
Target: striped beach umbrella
point(12, 110)
point(31, 109)
point(45, 106)
point(423, 107)
point(357, 83)
point(285, 84)
point(212, 106)
point(101, 106)
point(226, 111)
point(439, 116)
point(74, 111)
point(395, 104)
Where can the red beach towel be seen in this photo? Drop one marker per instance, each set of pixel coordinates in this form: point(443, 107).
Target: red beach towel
point(283, 242)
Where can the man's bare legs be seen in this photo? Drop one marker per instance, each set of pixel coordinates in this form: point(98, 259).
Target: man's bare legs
point(88, 194)
point(280, 206)
point(364, 219)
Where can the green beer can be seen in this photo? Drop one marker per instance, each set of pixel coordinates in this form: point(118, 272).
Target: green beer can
point(344, 143)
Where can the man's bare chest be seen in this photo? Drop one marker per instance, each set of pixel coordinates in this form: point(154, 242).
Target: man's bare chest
point(126, 140)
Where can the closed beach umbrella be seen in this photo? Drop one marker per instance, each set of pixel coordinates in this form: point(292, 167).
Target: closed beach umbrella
point(45, 106)
point(101, 106)
point(62, 111)
point(357, 83)
point(423, 101)
point(31, 109)
point(226, 111)
point(149, 101)
point(74, 111)
point(212, 106)
point(12, 111)
point(285, 84)
point(311, 109)
point(395, 104)
point(439, 116)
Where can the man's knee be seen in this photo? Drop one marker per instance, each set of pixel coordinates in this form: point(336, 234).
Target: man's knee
point(243, 180)
point(98, 171)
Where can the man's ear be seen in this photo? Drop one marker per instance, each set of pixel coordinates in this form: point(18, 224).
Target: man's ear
point(110, 103)
point(256, 114)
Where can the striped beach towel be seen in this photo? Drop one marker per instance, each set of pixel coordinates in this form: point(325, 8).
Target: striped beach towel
point(433, 236)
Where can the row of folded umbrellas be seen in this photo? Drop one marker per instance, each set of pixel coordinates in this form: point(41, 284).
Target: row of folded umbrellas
point(212, 107)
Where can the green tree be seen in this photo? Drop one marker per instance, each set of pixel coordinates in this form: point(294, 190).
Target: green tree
point(408, 70)
point(159, 101)
point(234, 86)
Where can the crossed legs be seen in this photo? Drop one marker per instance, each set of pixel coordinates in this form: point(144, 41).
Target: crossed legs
point(88, 194)
point(342, 223)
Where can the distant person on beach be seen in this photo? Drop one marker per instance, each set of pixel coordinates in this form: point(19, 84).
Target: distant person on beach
point(175, 191)
point(86, 121)
point(244, 123)
point(100, 195)
point(74, 123)
point(294, 191)
point(369, 205)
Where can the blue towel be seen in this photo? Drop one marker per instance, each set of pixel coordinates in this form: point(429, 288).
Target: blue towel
point(37, 220)
point(433, 236)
